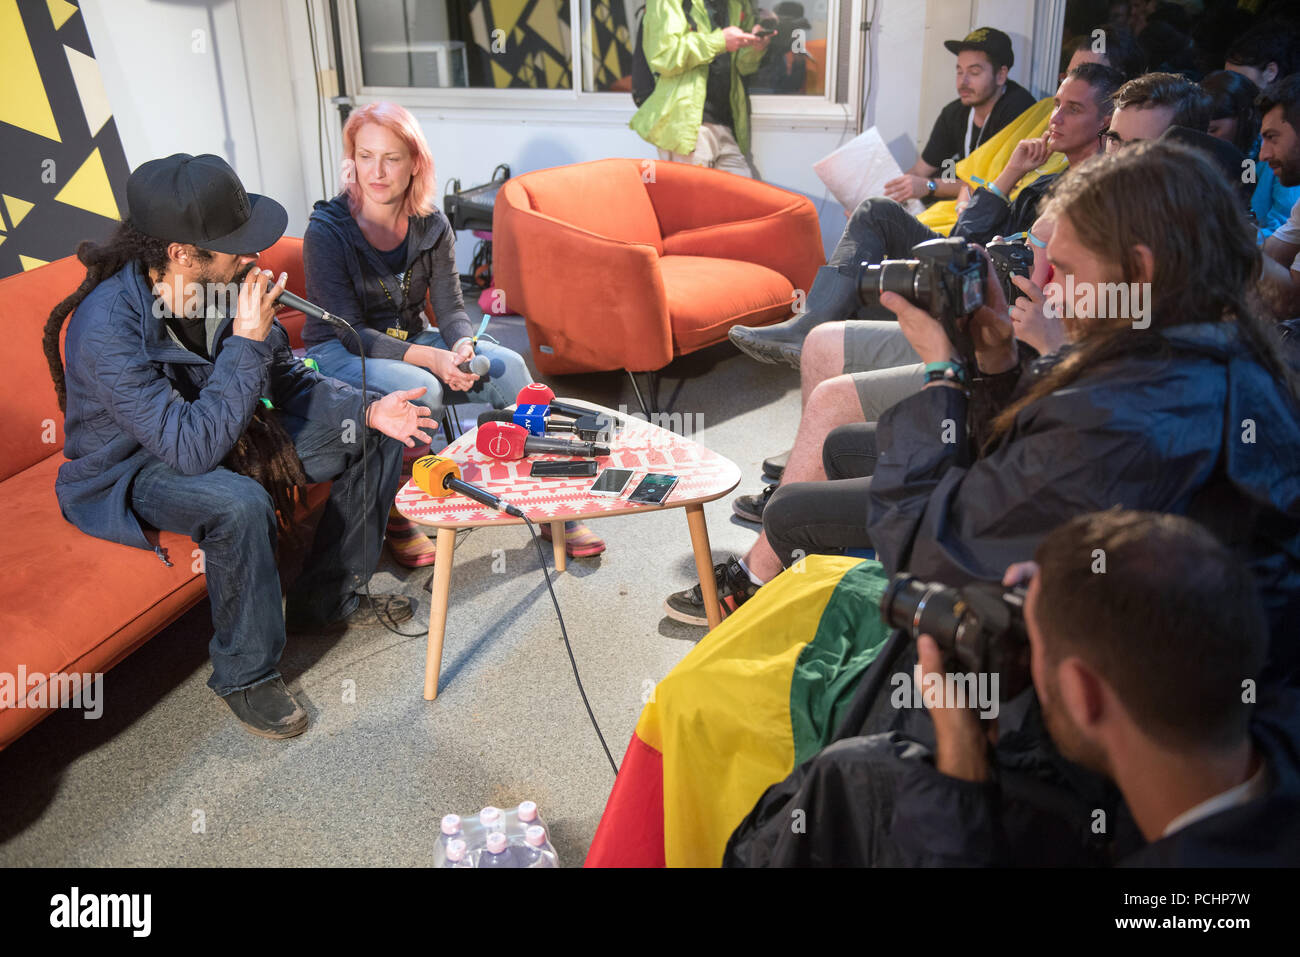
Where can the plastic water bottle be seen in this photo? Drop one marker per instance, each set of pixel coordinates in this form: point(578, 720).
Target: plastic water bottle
point(536, 851)
point(451, 830)
point(492, 820)
point(527, 815)
point(497, 853)
point(457, 853)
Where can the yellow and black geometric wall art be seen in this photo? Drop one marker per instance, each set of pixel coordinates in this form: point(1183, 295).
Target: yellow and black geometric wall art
point(62, 167)
point(610, 40)
point(531, 51)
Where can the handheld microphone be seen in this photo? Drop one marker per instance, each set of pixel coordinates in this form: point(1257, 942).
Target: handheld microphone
point(477, 365)
point(589, 428)
point(439, 477)
point(535, 393)
point(288, 299)
point(505, 440)
point(505, 415)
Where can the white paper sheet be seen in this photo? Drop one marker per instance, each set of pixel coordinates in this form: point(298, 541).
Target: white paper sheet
point(860, 169)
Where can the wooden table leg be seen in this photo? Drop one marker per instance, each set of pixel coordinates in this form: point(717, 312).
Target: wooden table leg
point(557, 539)
point(438, 610)
point(704, 563)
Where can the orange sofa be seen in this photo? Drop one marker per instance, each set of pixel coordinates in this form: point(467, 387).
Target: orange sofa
point(627, 263)
point(70, 602)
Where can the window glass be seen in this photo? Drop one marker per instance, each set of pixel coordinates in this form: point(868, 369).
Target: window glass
point(492, 44)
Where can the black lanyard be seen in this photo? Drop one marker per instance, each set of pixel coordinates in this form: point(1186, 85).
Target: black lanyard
point(406, 290)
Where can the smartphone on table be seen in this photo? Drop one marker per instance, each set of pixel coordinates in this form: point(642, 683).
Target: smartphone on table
point(653, 489)
point(562, 469)
point(611, 482)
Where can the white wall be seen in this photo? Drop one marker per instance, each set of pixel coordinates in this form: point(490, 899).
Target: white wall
point(250, 95)
point(205, 76)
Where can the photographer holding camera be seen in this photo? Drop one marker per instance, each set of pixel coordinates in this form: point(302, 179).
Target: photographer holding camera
point(1170, 719)
point(1191, 411)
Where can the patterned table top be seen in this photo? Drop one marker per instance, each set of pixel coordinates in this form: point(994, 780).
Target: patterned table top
point(704, 475)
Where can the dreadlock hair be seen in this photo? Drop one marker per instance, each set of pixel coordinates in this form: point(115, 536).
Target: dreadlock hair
point(1173, 200)
point(265, 452)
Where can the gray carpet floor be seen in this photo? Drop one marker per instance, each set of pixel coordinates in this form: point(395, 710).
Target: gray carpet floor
point(167, 777)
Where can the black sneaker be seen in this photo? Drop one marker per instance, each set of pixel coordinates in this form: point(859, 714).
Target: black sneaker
point(734, 589)
point(750, 507)
point(393, 609)
point(774, 467)
point(268, 709)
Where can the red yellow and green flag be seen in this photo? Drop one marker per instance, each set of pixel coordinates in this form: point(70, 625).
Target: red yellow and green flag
point(755, 698)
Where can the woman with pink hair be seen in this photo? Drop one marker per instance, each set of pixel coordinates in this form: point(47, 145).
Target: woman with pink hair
point(378, 254)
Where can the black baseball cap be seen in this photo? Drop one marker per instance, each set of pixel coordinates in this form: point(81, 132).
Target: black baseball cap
point(993, 42)
point(200, 200)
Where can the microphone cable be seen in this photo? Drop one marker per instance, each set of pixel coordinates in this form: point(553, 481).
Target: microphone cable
point(532, 531)
point(383, 618)
point(564, 633)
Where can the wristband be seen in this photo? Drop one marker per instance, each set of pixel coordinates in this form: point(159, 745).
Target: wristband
point(456, 344)
point(991, 186)
point(948, 371)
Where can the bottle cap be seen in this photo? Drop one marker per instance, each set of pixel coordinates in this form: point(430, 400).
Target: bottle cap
point(456, 850)
point(535, 835)
point(496, 842)
point(528, 811)
point(489, 815)
point(451, 824)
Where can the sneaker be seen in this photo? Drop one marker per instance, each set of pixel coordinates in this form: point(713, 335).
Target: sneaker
point(734, 589)
point(774, 467)
point(268, 709)
point(750, 507)
point(393, 609)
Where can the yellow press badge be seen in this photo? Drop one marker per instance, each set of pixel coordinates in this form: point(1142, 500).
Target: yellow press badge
point(397, 333)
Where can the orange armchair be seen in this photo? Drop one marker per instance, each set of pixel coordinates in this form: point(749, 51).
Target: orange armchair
point(626, 263)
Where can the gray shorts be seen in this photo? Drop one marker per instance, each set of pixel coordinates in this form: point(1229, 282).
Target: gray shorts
point(884, 366)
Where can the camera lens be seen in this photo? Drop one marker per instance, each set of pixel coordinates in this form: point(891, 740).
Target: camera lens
point(892, 275)
point(920, 608)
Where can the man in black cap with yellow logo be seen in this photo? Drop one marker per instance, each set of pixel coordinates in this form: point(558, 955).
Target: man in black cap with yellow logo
point(187, 412)
point(986, 102)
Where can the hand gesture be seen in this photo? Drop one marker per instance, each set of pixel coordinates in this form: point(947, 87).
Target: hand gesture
point(960, 738)
point(923, 331)
point(1029, 155)
point(737, 38)
point(1035, 322)
point(256, 306)
point(902, 188)
point(445, 365)
point(399, 418)
point(990, 327)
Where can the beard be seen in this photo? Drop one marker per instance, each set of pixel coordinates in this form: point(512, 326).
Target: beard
point(222, 292)
point(1067, 737)
point(980, 97)
point(1288, 171)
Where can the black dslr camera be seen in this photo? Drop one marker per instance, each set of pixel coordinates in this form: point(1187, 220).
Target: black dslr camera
point(1011, 257)
point(946, 279)
point(979, 628)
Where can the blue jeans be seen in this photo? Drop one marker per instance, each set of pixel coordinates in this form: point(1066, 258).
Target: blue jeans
point(510, 373)
point(231, 518)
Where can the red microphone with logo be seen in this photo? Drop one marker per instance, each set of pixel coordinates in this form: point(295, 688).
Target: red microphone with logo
point(505, 440)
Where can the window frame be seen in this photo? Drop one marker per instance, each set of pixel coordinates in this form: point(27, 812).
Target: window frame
point(576, 105)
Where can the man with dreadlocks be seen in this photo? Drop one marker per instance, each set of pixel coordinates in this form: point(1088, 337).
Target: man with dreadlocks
point(186, 411)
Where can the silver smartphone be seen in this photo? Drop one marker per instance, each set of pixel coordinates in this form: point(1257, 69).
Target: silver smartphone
point(611, 482)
